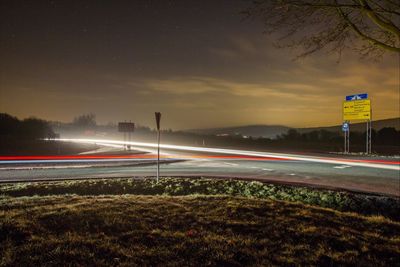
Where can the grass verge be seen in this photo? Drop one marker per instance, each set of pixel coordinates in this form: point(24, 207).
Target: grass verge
point(44, 224)
point(366, 204)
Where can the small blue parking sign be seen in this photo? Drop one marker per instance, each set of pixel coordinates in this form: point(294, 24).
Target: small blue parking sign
point(345, 127)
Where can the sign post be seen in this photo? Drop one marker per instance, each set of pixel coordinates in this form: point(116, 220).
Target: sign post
point(346, 131)
point(367, 139)
point(158, 118)
point(127, 128)
point(357, 108)
point(370, 134)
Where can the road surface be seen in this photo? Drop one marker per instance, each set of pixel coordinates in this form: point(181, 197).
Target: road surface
point(359, 174)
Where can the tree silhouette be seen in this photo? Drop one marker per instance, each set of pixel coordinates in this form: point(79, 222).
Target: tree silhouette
point(371, 27)
point(85, 121)
point(389, 135)
point(30, 128)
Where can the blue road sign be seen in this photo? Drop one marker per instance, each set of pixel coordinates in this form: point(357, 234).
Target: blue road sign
point(356, 97)
point(345, 127)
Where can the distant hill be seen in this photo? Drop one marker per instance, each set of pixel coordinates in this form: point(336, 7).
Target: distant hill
point(271, 131)
point(267, 131)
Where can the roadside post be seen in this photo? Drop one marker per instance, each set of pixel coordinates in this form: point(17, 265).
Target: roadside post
point(357, 108)
point(127, 128)
point(158, 118)
point(346, 131)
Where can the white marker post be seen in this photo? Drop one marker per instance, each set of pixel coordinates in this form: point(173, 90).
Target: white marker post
point(158, 118)
point(346, 131)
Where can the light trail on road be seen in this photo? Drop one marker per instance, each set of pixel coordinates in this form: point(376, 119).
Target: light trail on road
point(369, 163)
point(127, 157)
point(361, 174)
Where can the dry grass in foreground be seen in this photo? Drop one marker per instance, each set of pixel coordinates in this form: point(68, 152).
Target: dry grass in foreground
point(188, 231)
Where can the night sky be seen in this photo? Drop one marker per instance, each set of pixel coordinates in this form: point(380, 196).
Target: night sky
point(198, 62)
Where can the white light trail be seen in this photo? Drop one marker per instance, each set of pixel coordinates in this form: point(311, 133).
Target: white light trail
point(337, 161)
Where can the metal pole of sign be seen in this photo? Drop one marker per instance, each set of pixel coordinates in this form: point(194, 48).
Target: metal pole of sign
point(158, 155)
point(370, 134)
point(348, 141)
point(367, 134)
point(345, 142)
point(124, 141)
point(346, 136)
point(158, 118)
point(129, 140)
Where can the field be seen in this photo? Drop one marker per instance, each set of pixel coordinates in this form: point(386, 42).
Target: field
point(182, 222)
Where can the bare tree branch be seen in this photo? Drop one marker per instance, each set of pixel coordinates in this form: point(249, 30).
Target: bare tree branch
point(383, 9)
point(364, 36)
point(389, 26)
point(394, 3)
point(370, 27)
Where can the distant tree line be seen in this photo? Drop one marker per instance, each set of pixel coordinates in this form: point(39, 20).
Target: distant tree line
point(85, 121)
point(384, 136)
point(13, 130)
point(31, 128)
point(86, 124)
point(385, 141)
